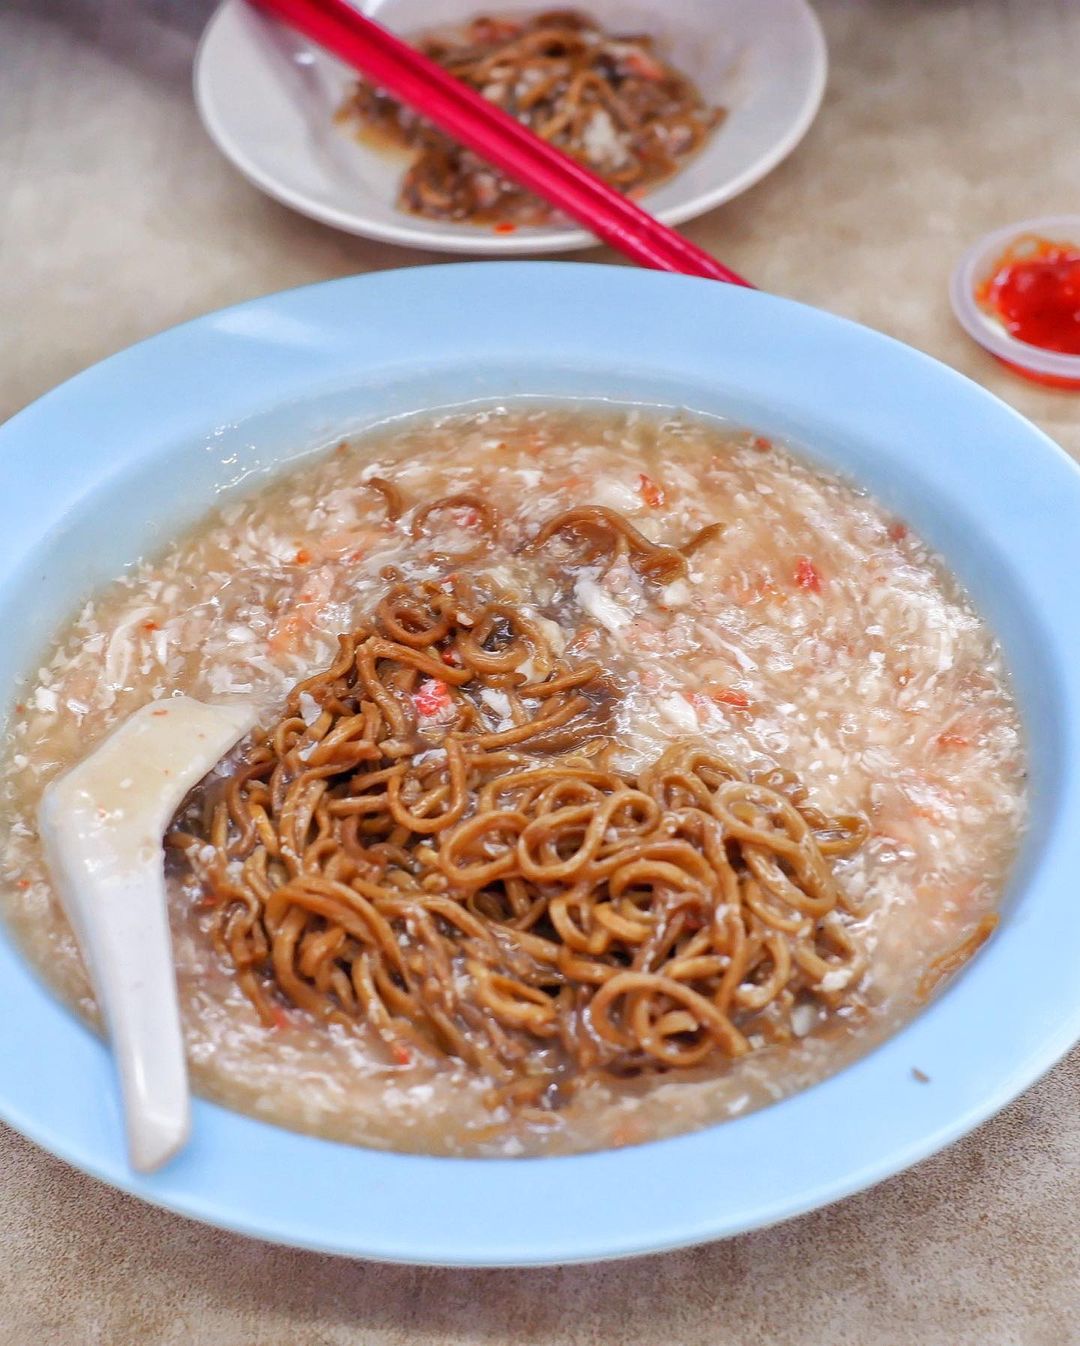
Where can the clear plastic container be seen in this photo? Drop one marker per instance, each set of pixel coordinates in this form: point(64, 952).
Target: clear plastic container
point(1053, 368)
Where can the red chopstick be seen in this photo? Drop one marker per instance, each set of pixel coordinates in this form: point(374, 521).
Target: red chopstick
point(496, 136)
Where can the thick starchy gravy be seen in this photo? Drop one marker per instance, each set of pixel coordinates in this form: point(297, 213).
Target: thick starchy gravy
point(619, 773)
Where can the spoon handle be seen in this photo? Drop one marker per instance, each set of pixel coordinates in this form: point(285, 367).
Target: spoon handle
point(102, 826)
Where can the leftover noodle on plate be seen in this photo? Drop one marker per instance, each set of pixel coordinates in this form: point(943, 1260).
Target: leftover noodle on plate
point(618, 772)
point(611, 102)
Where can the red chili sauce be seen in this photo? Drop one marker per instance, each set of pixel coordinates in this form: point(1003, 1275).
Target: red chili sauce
point(1034, 290)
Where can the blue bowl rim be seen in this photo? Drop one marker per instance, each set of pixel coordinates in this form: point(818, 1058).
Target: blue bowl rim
point(856, 1128)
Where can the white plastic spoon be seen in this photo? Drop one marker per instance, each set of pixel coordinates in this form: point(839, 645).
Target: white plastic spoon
point(102, 825)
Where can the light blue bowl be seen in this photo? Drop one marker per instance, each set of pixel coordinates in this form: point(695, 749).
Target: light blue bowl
point(109, 464)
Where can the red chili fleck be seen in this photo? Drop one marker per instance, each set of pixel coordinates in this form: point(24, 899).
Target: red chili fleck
point(897, 531)
point(806, 575)
point(761, 443)
point(401, 1053)
point(727, 696)
point(640, 63)
point(485, 29)
point(151, 626)
point(280, 1018)
point(505, 227)
point(583, 638)
point(159, 712)
point(302, 557)
point(24, 883)
point(948, 740)
point(651, 491)
point(450, 657)
point(431, 697)
point(20, 707)
point(627, 1133)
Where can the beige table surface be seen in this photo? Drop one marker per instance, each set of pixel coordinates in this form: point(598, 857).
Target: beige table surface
point(944, 118)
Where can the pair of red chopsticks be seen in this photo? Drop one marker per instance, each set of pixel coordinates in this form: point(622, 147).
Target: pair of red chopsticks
point(495, 136)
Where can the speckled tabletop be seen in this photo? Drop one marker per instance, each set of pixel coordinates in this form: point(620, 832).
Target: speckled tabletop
point(944, 118)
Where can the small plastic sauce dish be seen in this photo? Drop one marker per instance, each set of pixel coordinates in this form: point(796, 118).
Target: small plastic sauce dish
point(1017, 293)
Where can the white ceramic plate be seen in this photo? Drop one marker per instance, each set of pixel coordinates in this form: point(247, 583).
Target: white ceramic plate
point(267, 97)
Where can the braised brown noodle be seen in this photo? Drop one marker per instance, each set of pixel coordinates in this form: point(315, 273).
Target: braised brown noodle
point(385, 853)
point(609, 101)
